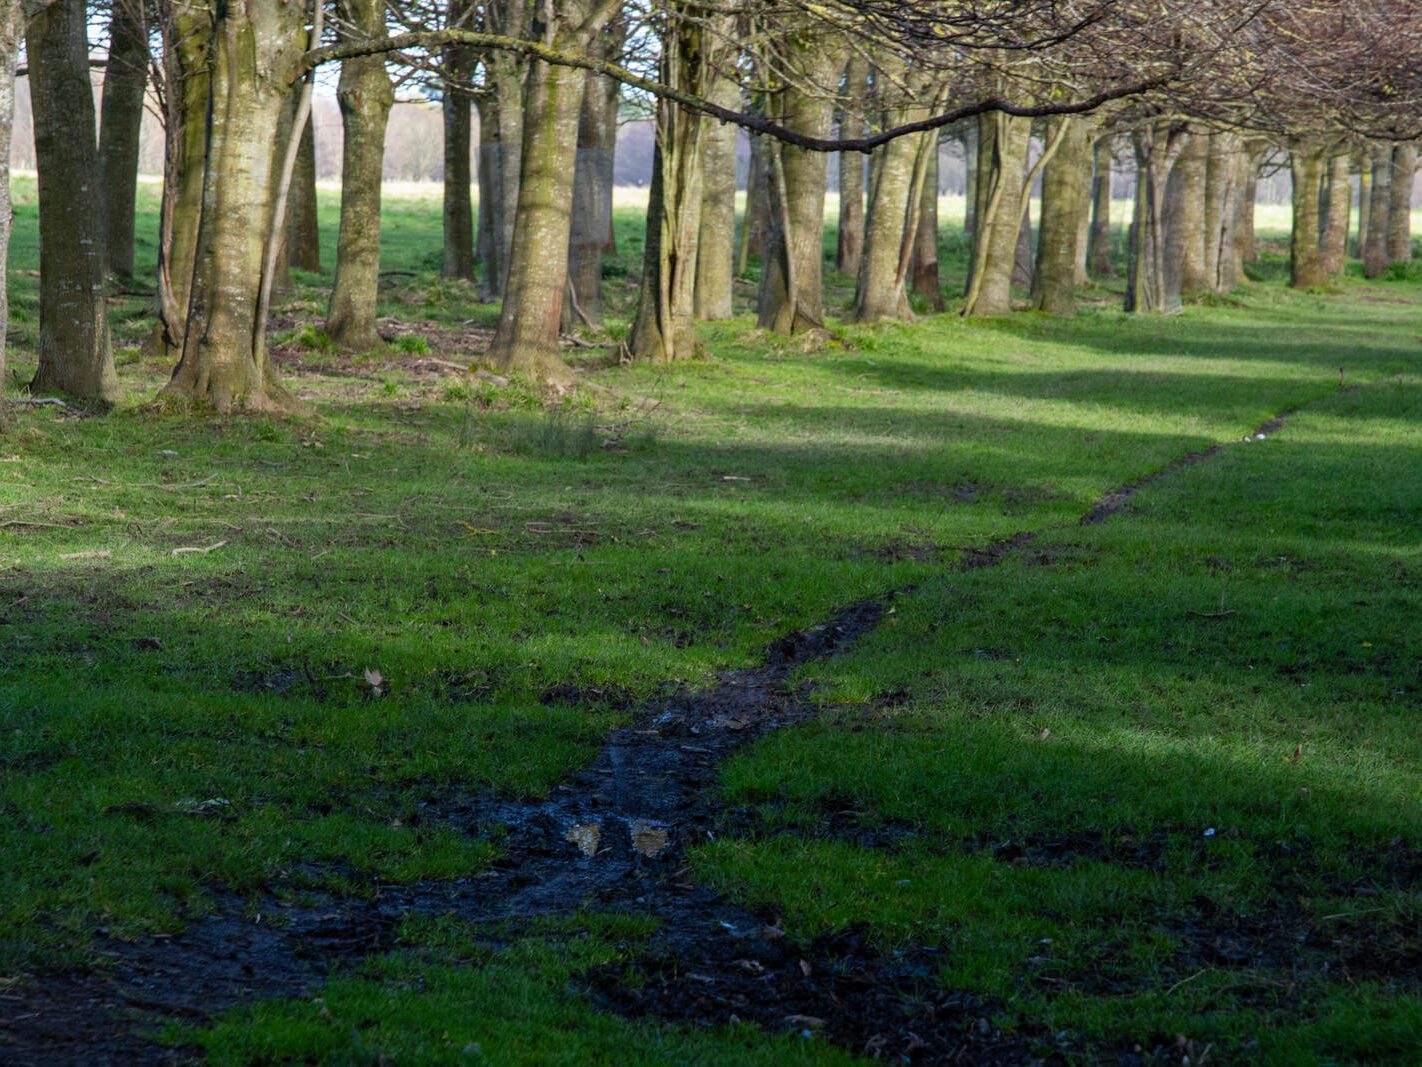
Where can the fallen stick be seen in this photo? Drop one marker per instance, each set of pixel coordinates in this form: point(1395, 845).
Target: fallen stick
point(199, 551)
point(53, 401)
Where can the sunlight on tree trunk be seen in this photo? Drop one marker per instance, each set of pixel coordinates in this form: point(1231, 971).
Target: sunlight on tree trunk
point(1066, 194)
point(1306, 268)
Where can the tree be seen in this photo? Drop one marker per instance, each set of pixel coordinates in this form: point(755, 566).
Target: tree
point(1098, 251)
point(366, 96)
point(454, 104)
point(1308, 161)
point(850, 239)
point(120, 119)
point(10, 22)
point(1066, 197)
point(1399, 216)
point(76, 351)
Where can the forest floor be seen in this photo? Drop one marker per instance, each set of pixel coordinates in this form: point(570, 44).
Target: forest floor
point(984, 692)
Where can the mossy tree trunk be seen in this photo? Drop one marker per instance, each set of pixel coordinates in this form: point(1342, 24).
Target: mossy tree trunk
point(1308, 164)
point(849, 245)
point(10, 21)
point(1152, 284)
point(1066, 200)
point(254, 57)
point(1399, 215)
point(926, 281)
point(1098, 241)
point(1337, 203)
point(500, 103)
point(1185, 214)
point(664, 329)
point(75, 349)
point(526, 340)
point(458, 214)
point(365, 96)
point(303, 228)
point(1246, 248)
point(592, 186)
point(791, 270)
point(1365, 196)
point(120, 121)
point(1380, 206)
point(751, 241)
point(715, 248)
point(1220, 175)
point(997, 213)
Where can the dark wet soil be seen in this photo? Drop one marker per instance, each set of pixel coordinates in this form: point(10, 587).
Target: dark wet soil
point(612, 837)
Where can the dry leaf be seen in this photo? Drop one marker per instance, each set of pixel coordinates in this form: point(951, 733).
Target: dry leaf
point(648, 839)
point(375, 680)
point(587, 836)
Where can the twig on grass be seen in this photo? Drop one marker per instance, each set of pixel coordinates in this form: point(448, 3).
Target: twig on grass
point(199, 551)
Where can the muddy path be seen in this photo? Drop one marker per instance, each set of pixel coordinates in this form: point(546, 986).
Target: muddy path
point(611, 837)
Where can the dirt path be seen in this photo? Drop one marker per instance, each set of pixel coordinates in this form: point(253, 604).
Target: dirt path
point(612, 837)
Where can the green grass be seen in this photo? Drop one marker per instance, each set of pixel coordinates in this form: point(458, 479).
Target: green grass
point(179, 723)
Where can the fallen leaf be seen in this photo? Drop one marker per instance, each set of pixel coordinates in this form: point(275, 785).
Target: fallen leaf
point(805, 968)
point(375, 680)
point(648, 839)
point(587, 836)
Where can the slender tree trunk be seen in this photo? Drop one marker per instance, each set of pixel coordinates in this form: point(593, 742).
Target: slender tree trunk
point(1306, 256)
point(1098, 248)
point(792, 267)
point(1338, 200)
point(1375, 243)
point(754, 222)
point(254, 58)
point(458, 212)
point(365, 95)
point(10, 21)
point(1365, 196)
point(1399, 218)
point(592, 192)
point(526, 340)
point(120, 120)
point(850, 244)
point(1002, 157)
point(715, 248)
point(927, 283)
point(1066, 194)
point(1246, 247)
point(501, 118)
point(76, 352)
point(1023, 262)
point(1152, 284)
point(303, 228)
point(970, 179)
point(1219, 200)
point(1185, 214)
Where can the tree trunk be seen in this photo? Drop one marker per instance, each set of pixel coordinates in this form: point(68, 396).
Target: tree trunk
point(792, 267)
point(526, 340)
point(1375, 243)
point(754, 222)
point(1229, 267)
point(926, 281)
point(500, 164)
point(76, 352)
point(1365, 196)
point(1337, 202)
point(970, 179)
point(10, 22)
point(1002, 157)
point(1098, 244)
point(1307, 269)
point(120, 119)
point(1152, 285)
point(458, 214)
point(1185, 215)
point(1066, 195)
point(1399, 217)
point(850, 243)
point(365, 95)
point(1023, 263)
point(1246, 248)
point(254, 58)
point(1219, 214)
point(715, 248)
point(592, 195)
point(303, 228)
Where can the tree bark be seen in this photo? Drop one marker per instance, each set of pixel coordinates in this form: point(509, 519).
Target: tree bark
point(1098, 245)
point(1338, 199)
point(1246, 248)
point(1399, 217)
point(1380, 206)
point(76, 351)
point(10, 22)
point(303, 228)
point(365, 96)
point(792, 266)
point(1365, 196)
point(1066, 195)
point(1152, 284)
point(715, 248)
point(120, 120)
point(592, 190)
point(458, 214)
point(927, 283)
point(254, 58)
point(850, 241)
point(500, 151)
point(1002, 158)
point(754, 222)
point(1219, 202)
point(1306, 269)
point(526, 340)
point(1185, 215)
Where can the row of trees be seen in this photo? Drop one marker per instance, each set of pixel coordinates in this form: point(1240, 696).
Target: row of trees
point(1201, 92)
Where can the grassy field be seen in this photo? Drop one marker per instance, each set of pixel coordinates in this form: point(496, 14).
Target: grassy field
point(1147, 782)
